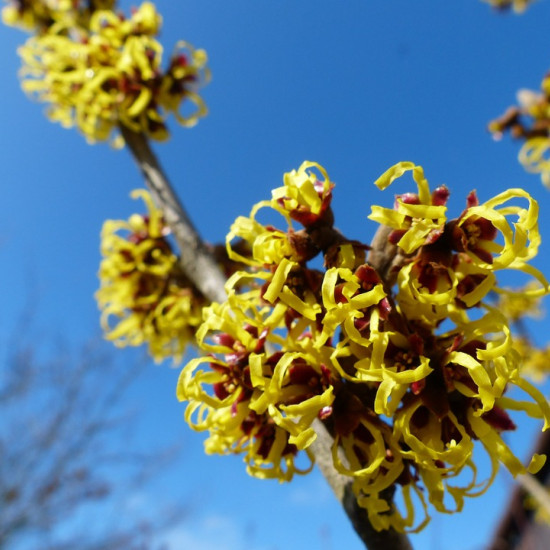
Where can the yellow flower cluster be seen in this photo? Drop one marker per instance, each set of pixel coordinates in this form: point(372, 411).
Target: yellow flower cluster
point(406, 376)
point(535, 361)
point(38, 15)
point(529, 122)
point(144, 296)
point(518, 6)
point(515, 304)
point(97, 69)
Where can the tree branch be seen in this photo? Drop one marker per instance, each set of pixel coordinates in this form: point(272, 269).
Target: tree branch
point(342, 488)
point(203, 271)
point(517, 523)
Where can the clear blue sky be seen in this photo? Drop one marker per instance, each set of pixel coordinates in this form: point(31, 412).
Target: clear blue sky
point(355, 85)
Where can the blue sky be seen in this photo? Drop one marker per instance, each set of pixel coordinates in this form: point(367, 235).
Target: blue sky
point(355, 85)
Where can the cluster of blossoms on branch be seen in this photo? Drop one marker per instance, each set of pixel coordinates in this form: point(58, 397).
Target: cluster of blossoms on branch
point(529, 121)
point(144, 296)
point(397, 349)
point(98, 69)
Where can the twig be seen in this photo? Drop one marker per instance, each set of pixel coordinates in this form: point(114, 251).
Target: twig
point(342, 488)
point(517, 521)
point(530, 483)
point(203, 271)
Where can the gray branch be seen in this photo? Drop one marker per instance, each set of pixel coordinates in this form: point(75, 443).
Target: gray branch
point(341, 486)
point(196, 260)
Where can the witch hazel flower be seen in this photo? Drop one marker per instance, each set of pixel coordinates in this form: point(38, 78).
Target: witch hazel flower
point(529, 122)
point(144, 296)
point(251, 399)
point(417, 218)
point(98, 70)
point(408, 367)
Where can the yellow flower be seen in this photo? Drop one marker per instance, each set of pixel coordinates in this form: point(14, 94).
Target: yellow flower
point(479, 226)
point(529, 122)
point(40, 15)
point(418, 218)
point(27, 16)
point(535, 361)
point(248, 398)
point(305, 195)
point(107, 71)
point(277, 260)
point(268, 245)
point(454, 260)
point(297, 390)
point(144, 296)
point(534, 155)
point(374, 463)
point(427, 291)
point(515, 304)
point(347, 297)
point(385, 515)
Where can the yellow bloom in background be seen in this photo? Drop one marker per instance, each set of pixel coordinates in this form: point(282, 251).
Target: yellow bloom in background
point(515, 304)
point(535, 360)
point(518, 6)
point(100, 70)
point(529, 121)
point(144, 297)
point(27, 15)
point(38, 15)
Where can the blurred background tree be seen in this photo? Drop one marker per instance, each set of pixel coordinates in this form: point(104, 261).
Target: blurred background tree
point(68, 467)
